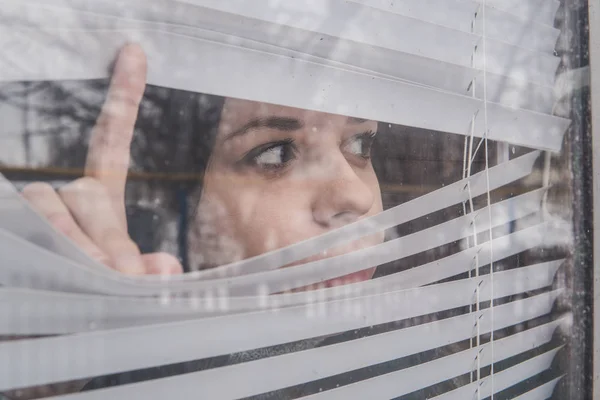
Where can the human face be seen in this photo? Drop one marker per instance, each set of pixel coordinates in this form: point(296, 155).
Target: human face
point(279, 175)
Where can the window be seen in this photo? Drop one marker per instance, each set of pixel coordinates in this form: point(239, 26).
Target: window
point(295, 199)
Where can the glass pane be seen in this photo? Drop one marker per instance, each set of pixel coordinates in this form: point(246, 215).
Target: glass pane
point(191, 166)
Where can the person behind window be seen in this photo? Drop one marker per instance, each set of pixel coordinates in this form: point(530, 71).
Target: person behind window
point(266, 176)
point(270, 176)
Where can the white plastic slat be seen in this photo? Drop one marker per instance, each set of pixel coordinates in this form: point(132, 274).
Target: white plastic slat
point(516, 126)
point(520, 30)
point(23, 269)
point(105, 352)
point(542, 11)
point(516, 93)
point(535, 18)
point(29, 312)
point(507, 60)
point(505, 246)
point(249, 74)
point(467, 15)
point(406, 381)
point(341, 18)
point(322, 270)
point(288, 41)
point(510, 377)
point(512, 92)
point(541, 392)
point(248, 379)
point(359, 24)
point(18, 218)
point(523, 371)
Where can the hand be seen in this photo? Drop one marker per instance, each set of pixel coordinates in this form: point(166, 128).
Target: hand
point(91, 210)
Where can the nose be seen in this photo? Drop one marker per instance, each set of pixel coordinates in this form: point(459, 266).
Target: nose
point(342, 197)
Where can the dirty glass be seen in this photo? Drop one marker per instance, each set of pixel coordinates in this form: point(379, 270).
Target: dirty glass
point(289, 199)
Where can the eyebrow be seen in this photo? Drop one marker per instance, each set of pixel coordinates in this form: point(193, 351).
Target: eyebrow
point(284, 124)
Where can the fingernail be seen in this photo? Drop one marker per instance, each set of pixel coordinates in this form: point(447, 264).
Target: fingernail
point(131, 58)
point(129, 264)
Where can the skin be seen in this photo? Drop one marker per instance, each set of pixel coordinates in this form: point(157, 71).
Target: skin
point(277, 175)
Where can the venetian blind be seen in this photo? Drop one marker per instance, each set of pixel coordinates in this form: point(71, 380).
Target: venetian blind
point(481, 69)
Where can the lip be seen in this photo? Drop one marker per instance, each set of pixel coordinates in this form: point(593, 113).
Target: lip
point(355, 277)
point(359, 276)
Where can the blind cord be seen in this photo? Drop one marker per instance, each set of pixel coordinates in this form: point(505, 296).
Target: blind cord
point(489, 202)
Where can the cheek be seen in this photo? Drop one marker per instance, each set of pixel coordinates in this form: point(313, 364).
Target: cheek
point(282, 216)
point(210, 243)
point(247, 218)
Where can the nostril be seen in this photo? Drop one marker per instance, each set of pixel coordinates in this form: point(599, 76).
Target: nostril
point(337, 220)
point(345, 217)
point(343, 197)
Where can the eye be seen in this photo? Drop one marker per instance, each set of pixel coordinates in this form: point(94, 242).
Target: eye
point(272, 156)
point(360, 145)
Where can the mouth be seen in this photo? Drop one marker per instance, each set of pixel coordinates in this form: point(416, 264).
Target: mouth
point(355, 277)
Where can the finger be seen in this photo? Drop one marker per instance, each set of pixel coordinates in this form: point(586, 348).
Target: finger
point(162, 264)
point(109, 151)
point(89, 203)
point(46, 201)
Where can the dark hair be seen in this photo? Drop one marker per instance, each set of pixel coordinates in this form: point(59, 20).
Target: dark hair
point(175, 135)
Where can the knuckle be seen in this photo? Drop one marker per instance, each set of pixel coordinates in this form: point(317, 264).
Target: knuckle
point(120, 241)
point(36, 189)
point(99, 256)
point(80, 186)
point(124, 98)
point(115, 135)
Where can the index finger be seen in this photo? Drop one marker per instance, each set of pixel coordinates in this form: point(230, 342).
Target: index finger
point(109, 150)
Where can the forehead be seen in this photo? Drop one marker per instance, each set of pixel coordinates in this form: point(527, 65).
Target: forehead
point(237, 113)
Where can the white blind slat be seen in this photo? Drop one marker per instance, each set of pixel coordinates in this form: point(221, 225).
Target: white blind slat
point(526, 369)
point(120, 310)
point(542, 11)
point(535, 16)
point(467, 16)
point(63, 275)
point(519, 372)
point(30, 312)
point(374, 348)
point(288, 41)
point(322, 270)
point(541, 392)
point(424, 375)
point(245, 379)
point(378, 28)
point(322, 88)
point(368, 47)
point(126, 349)
point(517, 93)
